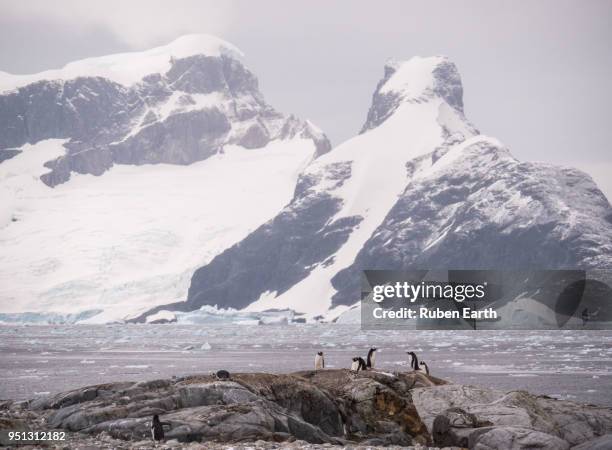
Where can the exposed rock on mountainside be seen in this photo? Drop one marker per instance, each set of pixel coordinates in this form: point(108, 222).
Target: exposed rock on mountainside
point(390, 94)
point(419, 188)
point(330, 406)
point(196, 105)
point(484, 209)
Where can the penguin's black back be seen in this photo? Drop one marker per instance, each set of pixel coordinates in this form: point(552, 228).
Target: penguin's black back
point(369, 362)
point(415, 361)
point(362, 364)
point(158, 432)
point(158, 429)
point(223, 375)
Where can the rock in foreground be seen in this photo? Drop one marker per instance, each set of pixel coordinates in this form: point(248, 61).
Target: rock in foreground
point(325, 407)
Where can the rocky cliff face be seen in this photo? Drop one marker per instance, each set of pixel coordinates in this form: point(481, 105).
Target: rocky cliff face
point(418, 188)
point(325, 407)
point(197, 105)
point(444, 83)
point(485, 209)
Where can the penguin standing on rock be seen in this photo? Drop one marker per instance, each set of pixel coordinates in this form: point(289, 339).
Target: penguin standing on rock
point(358, 364)
point(414, 363)
point(424, 364)
point(362, 364)
point(371, 358)
point(319, 361)
point(157, 428)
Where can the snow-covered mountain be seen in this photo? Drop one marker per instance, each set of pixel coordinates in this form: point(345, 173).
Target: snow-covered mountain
point(133, 185)
point(120, 175)
point(181, 103)
point(418, 188)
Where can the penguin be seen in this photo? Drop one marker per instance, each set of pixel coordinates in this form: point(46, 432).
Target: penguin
point(362, 363)
point(424, 364)
point(371, 358)
point(415, 361)
point(319, 361)
point(358, 364)
point(222, 375)
point(157, 428)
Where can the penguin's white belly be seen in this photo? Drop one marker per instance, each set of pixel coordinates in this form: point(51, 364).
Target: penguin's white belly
point(355, 365)
point(373, 359)
point(318, 362)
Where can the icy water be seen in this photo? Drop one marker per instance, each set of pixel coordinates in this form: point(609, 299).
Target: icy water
point(36, 360)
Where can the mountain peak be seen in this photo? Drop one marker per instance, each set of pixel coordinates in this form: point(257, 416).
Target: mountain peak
point(413, 77)
point(129, 67)
point(416, 80)
point(176, 104)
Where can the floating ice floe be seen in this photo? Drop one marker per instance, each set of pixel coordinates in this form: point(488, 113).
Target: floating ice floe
point(163, 316)
point(44, 318)
point(210, 314)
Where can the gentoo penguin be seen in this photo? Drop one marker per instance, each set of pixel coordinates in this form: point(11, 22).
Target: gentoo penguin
point(157, 428)
point(424, 364)
point(362, 363)
point(371, 358)
point(415, 361)
point(358, 364)
point(319, 361)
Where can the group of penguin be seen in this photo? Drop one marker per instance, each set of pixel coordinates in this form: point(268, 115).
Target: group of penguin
point(157, 426)
point(368, 364)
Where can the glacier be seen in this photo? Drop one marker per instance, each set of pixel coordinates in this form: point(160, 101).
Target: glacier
point(111, 195)
point(128, 240)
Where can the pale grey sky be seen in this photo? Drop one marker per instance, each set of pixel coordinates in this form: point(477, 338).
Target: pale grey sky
point(536, 73)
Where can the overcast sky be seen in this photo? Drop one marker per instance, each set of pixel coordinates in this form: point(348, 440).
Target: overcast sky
point(537, 74)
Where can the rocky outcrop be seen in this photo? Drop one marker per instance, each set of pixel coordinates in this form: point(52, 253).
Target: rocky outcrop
point(483, 419)
point(336, 407)
point(317, 407)
point(601, 443)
